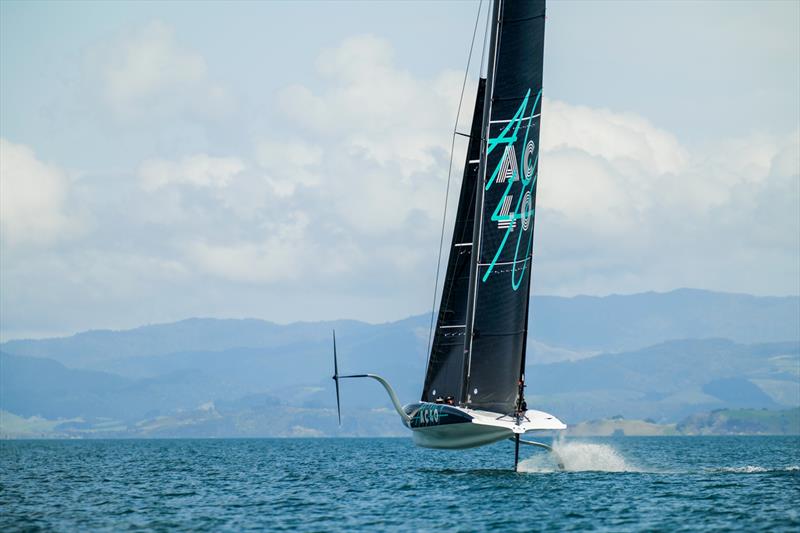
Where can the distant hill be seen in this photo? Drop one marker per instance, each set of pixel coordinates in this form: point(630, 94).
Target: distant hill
point(32, 386)
point(621, 427)
point(589, 358)
point(560, 328)
point(670, 380)
point(742, 422)
point(93, 348)
point(717, 422)
point(250, 393)
point(628, 322)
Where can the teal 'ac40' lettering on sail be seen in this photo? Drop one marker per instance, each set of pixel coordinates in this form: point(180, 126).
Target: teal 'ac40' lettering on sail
point(516, 203)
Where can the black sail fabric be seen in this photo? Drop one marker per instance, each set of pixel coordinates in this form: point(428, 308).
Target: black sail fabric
point(445, 375)
point(496, 357)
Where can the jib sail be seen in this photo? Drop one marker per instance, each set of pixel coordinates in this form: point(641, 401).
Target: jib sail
point(445, 375)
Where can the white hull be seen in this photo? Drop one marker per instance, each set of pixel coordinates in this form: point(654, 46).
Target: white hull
point(439, 425)
point(478, 428)
point(459, 436)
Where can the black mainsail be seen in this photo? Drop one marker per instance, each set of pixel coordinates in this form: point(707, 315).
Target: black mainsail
point(478, 353)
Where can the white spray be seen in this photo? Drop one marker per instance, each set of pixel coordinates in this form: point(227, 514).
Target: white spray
point(578, 457)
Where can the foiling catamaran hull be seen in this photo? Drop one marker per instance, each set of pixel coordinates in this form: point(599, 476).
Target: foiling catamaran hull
point(450, 427)
point(443, 426)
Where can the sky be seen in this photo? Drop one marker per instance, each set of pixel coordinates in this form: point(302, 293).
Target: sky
point(288, 160)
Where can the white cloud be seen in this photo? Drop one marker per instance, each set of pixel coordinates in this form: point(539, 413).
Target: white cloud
point(598, 161)
point(289, 164)
point(339, 216)
point(384, 137)
point(32, 198)
point(374, 108)
point(146, 72)
point(199, 170)
point(279, 258)
point(614, 136)
point(285, 252)
point(624, 207)
point(261, 221)
point(363, 169)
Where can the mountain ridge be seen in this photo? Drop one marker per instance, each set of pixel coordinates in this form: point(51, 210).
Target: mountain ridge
point(560, 327)
point(588, 358)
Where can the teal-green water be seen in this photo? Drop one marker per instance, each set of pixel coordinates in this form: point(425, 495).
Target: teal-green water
point(623, 484)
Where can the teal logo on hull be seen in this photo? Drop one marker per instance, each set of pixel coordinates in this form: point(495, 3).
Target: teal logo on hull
point(428, 415)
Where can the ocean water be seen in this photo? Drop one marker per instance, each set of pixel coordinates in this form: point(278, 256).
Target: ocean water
point(621, 484)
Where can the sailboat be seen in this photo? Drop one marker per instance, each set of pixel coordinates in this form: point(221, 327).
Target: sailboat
point(474, 389)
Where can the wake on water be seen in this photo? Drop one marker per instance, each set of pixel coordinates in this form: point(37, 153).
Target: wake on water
point(750, 469)
point(593, 457)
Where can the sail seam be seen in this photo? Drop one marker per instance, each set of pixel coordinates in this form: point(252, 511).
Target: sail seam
point(513, 21)
point(537, 115)
point(507, 262)
point(510, 99)
point(508, 334)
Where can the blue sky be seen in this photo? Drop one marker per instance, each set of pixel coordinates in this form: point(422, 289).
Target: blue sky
point(288, 160)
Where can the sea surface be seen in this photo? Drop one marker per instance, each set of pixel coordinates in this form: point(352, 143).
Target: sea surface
point(615, 484)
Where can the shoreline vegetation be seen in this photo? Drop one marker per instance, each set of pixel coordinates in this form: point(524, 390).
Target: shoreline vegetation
point(719, 422)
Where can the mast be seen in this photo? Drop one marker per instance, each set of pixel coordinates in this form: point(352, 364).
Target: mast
point(479, 194)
